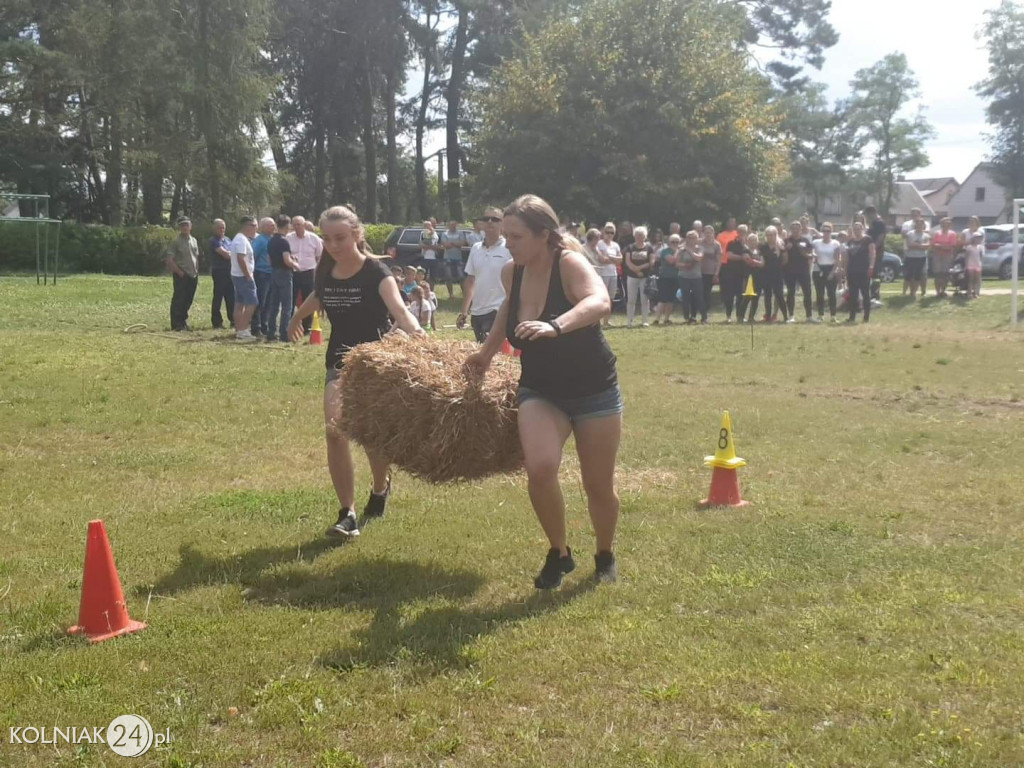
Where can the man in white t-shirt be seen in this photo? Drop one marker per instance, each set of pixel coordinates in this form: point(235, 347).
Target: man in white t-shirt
point(243, 263)
point(484, 292)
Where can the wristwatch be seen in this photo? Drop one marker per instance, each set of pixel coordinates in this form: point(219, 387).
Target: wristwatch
point(558, 329)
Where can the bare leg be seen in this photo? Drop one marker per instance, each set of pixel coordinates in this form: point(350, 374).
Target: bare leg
point(339, 453)
point(597, 443)
point(543, 430)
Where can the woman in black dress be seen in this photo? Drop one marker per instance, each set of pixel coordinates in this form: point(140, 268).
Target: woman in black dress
point(569, 385)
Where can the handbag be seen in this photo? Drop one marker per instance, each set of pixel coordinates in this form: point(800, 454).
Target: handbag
point(651, 287)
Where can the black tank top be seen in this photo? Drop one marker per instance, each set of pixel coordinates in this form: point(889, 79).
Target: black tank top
point(575, 364)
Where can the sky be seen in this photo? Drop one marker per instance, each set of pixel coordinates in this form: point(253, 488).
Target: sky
point(938, 38)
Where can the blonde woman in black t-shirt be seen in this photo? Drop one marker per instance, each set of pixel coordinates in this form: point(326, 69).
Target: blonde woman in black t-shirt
point(358, 294)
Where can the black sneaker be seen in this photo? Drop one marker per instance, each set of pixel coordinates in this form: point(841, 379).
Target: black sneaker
point(378, 502)
point(605, 570)
point(555, 567)
point(346, 528)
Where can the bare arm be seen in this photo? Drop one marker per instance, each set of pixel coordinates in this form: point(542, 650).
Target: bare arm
point(587, 293)
point(240, 258)
point(309, 306)
point(467, 300)
point(223, 253)
point(173, 266)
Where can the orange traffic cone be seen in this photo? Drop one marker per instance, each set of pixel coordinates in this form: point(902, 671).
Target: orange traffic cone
point(316, 334)
point(725, 483)
point(103, 613)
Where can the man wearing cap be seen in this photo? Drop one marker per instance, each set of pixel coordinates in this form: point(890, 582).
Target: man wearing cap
point(183, 261)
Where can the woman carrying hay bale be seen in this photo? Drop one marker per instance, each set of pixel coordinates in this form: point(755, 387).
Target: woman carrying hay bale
point(358, 294)
point(553, 311)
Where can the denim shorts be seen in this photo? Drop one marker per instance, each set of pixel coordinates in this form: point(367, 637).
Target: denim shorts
point(245, 291)
point(577, 409)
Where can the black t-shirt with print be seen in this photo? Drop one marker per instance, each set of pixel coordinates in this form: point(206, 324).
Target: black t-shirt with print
point(639, 256)
point(355, 308)
point(276, 250)
point(798, 252)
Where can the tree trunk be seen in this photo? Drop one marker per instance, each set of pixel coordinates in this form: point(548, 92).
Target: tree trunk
point(206, 110)
point(369, 144)
point(421, 125)
point(131, 200)
point(176, 201)
point(274, 136)
point(393, 204)
point(153, 193)
point(319, 163)
point(454, 97)
point(115, 171)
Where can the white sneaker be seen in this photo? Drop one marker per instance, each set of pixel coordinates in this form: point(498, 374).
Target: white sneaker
point(646, 325)
point(244, 336)
point(790, 321)
point(814, 320)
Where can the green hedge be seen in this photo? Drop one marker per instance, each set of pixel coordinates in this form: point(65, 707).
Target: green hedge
point(87, 248)
point(894, 244)
point(116, 250)
point(377, 234)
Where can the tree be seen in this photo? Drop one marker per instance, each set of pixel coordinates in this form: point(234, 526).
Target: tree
point(674, 126)
point(1004, 87)
point(821, 144)
point(881, 93)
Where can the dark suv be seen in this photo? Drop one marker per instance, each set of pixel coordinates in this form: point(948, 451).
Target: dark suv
point(403, 245)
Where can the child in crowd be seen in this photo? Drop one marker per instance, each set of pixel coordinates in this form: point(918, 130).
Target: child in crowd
point(973, 251)
point(431, 300)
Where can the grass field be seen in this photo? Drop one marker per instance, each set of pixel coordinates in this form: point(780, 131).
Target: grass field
point(865, 610)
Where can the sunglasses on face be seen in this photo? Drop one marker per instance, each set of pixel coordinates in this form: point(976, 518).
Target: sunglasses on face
point(491, 220)
point(609, 231)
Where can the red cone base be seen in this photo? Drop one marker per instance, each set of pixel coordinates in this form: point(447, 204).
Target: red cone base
point(725, 489)
point(316, 338)
point(508, 349)
point(102, 613)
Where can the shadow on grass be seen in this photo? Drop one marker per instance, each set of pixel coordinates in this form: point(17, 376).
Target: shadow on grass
point(196, 569)
point(437, 637)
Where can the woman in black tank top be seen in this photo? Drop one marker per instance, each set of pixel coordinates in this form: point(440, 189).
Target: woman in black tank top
point(552, 313)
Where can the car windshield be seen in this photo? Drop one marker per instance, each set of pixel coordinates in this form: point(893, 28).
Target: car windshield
point(411, 236)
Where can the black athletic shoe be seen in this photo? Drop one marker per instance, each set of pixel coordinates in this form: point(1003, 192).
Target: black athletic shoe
point(605, 570)
point(555, 567)
point(378, 502)
point(346, 528)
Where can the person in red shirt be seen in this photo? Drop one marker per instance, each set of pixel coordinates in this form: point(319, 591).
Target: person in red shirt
point(728, 234)
point(944, 244)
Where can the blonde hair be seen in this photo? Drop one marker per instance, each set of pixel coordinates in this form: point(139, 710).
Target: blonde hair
point(637, 231)
point(538, 215)
point(345, 215)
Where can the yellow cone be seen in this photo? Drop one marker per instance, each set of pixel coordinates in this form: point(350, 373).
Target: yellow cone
point(750, 287)
point(725, 452)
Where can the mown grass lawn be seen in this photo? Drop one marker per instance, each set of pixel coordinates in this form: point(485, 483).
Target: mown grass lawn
point(866, 610)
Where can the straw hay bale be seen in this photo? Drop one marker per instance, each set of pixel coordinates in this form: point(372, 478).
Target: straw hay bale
point(408, 401)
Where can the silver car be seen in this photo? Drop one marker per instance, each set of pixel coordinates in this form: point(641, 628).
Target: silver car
point(995, 261)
